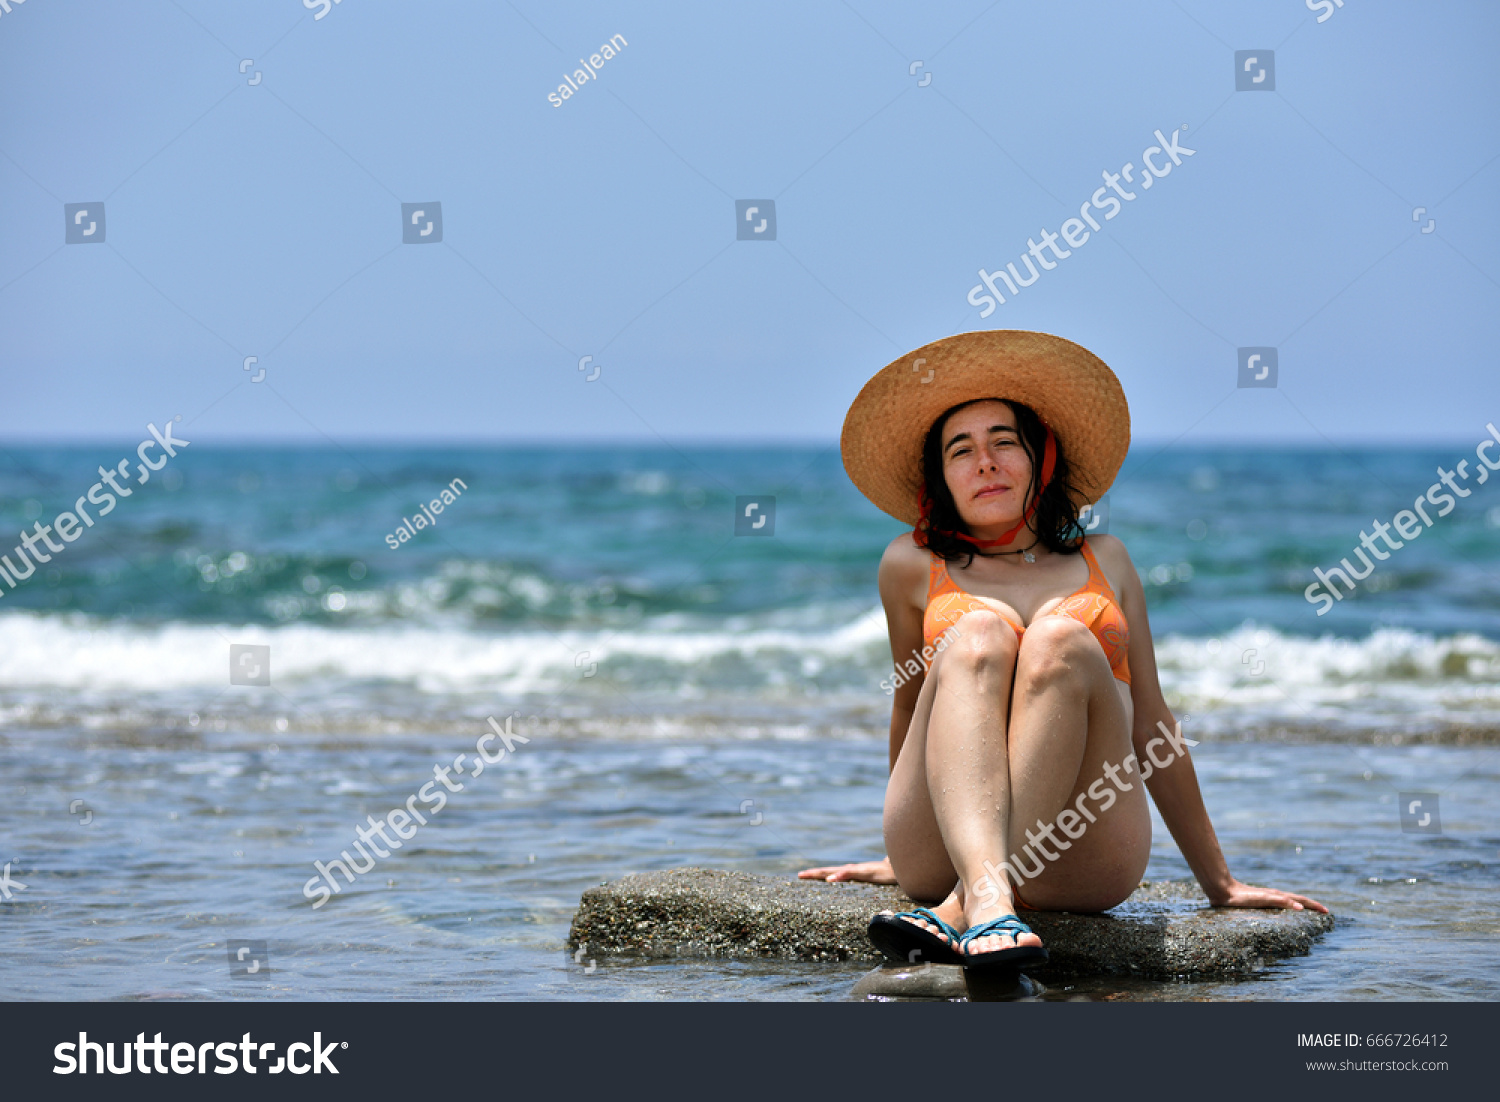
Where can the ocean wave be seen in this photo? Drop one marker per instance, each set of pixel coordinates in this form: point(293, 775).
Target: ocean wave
point(1252, 679)
point(76, 652)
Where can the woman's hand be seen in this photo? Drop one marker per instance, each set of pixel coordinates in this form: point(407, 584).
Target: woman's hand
point(869, 872)
point(1247, 895)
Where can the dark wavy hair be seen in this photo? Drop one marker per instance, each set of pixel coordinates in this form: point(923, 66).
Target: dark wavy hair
point(1056, 517)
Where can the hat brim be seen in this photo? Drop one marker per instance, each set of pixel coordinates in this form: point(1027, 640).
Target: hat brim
point(1070, 389)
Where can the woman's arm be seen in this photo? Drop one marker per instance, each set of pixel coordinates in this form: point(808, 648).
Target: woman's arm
point(1156, 738)
point(903, 592)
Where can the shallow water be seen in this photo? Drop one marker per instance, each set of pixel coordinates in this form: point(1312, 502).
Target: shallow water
point(203, 837)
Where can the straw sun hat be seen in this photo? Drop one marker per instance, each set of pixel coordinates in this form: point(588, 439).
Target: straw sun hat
point(1070, 388)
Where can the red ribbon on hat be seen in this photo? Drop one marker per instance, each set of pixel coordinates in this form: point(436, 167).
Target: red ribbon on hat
point(924, 504)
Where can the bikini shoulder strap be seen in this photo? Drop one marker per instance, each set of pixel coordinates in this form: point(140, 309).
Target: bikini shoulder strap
point(1096, 575)
point(935, 569)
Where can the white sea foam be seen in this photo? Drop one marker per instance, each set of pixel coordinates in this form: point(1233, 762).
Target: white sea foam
point(1250, 676)
point(73, 652)
point(1255, 679)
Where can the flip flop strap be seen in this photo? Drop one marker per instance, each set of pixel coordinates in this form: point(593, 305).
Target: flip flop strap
point(1005, 924)
point(928, 916)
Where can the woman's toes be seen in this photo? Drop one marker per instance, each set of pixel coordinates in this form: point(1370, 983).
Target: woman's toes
point(923, 924)
point(990, 943)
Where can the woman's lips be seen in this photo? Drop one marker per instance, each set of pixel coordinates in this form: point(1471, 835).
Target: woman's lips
point(991, 491)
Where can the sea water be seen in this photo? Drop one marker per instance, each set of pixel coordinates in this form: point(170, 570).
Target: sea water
point(691, 697)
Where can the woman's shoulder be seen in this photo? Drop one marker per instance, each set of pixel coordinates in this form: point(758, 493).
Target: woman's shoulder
point(904, 550)
point(903, 560)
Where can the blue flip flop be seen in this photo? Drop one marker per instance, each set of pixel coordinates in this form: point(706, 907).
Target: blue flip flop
point(1012, 957)
point(907, 943)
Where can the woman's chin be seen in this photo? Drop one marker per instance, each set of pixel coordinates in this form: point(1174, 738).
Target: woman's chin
point(987, 525)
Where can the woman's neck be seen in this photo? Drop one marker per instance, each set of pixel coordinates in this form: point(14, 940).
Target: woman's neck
point(984, 536)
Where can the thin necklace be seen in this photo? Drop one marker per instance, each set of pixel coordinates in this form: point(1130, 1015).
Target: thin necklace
point(1024, 552)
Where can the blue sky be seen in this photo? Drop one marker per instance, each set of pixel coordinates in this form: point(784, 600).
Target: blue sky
point(265, 219)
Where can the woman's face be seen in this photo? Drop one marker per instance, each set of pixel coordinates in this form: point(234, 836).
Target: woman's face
point(985, 465)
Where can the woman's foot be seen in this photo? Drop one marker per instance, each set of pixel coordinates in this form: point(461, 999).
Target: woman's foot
point(990, 943)
point(950, 910)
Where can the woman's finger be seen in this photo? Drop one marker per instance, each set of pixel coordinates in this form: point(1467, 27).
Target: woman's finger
point(872, 872)
point(851, 872)
point(1272, 897)
point(818, 874)
point(831, 872)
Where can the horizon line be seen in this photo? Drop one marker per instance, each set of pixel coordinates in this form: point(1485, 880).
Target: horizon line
point(550, 442)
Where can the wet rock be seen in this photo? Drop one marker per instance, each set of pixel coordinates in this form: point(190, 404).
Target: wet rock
point(945, 981)
point(913, 981)
point(1164, 929)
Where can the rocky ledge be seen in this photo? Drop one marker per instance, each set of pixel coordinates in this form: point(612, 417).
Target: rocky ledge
point(1164, 929)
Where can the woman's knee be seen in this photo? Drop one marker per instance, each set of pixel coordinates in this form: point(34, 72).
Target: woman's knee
point(1056, 648)
point(982, 643)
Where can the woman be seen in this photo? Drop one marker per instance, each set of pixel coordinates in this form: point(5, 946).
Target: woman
point(1027, 708)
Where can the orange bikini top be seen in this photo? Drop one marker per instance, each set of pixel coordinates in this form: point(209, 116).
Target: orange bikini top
point(1093, 606)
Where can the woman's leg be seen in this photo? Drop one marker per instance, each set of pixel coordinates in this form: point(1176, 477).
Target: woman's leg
point(1068, 722)
point(917, 845)
point(968, 760)
point(1002, 737)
